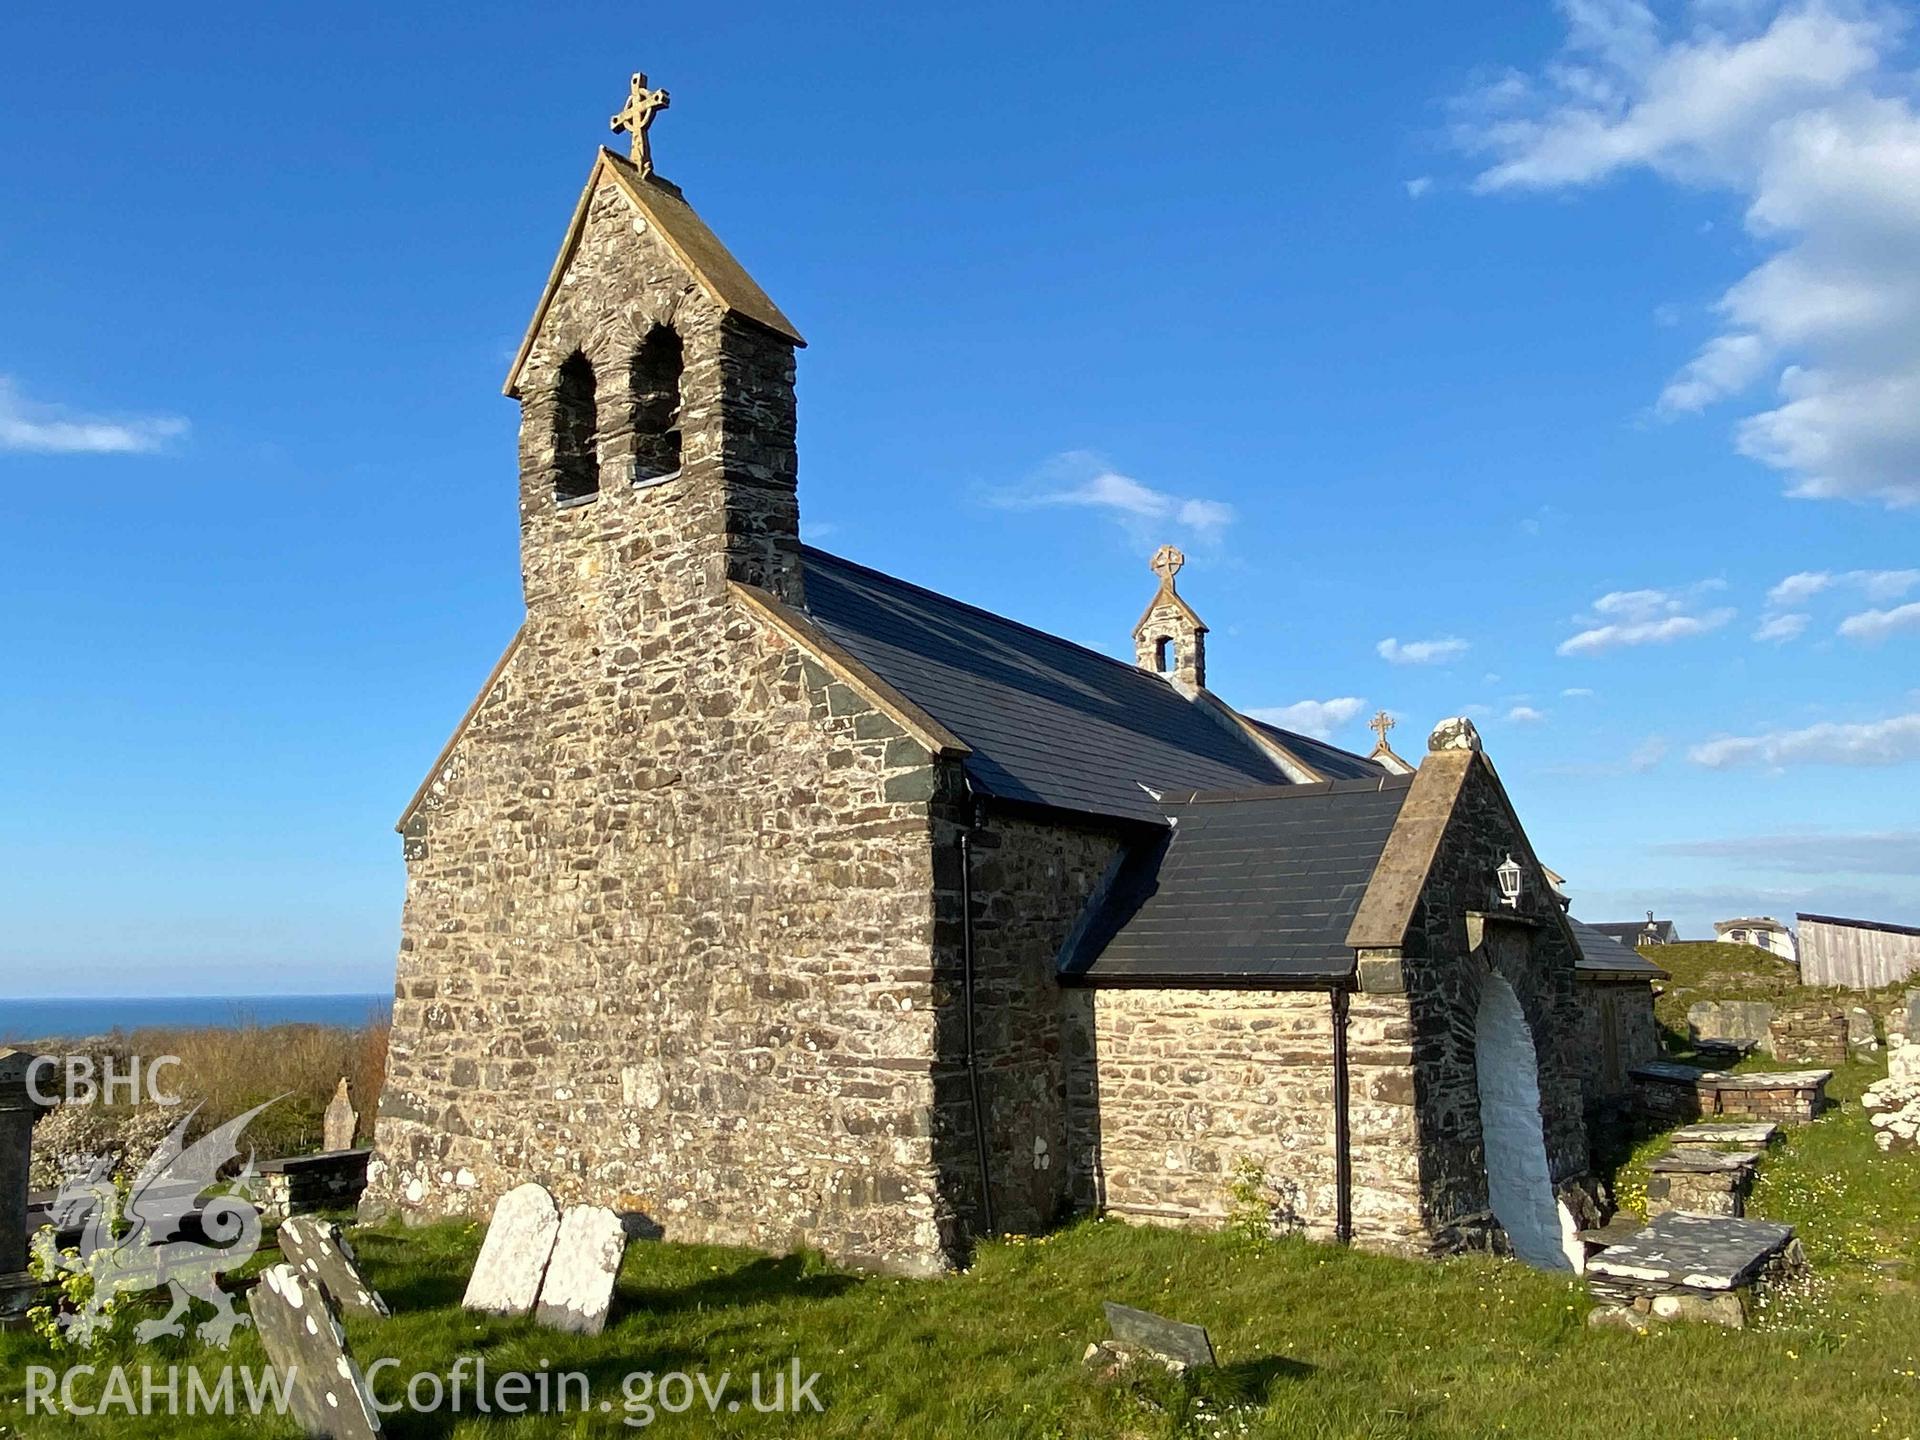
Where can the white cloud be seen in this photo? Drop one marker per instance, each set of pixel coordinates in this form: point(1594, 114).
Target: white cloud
point(1647, 754)
point(53, 430)
point(1814, 852)
point(1876, 625)
point(1623, 618)
point(1802, 110)
point(1874, 584)
point(1526, 715)
point(1781, 628)
point(1418, 186)
point(1082, 479)
point(1422, 652)
point(1576, 692)
point(1318, 718)
point(1880, 742)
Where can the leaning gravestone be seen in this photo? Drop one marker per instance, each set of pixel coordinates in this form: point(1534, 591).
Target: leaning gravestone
point(320, 1252)
point(513, 1257)
point(327, 1394)
point(1175, 1344)
point(340, 1121)
point(578, 1290)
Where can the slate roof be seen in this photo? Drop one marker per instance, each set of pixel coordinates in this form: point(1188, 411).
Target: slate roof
point(1599, 951)
point(1628, 932)
point(1250, 887)
point(1049, 722)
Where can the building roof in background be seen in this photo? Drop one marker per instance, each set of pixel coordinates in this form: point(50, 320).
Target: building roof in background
point(1049, 722)
point(1254, 886)
point(1629, 932)
point(1755, 922)
point(1601, 952)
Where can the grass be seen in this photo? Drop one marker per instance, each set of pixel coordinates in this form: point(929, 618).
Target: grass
point(1313, 1341)
point(1716, 970)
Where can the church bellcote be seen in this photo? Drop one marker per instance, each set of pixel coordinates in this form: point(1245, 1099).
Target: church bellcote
point(656, 390)
point(1170, 639)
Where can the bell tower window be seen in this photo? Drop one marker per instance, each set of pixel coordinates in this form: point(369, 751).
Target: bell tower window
point(576, 460)
point(657, 367)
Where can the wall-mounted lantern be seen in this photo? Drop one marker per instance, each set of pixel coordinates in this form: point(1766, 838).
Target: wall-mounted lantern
point(1509, 877)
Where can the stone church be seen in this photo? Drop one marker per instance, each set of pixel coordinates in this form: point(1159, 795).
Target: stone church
point(785, 902)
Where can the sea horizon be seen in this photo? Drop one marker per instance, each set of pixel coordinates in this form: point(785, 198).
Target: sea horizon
point(45, 1017)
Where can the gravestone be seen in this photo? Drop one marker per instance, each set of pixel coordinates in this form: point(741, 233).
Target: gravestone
point(1861, 1036)
point(340, 1121)
point(578, 1289)
point(1171, 1341)
point(17, 1114)
point(513, 1257)
point(1730, 1024)
point(1691, 1267)
point(327, 1394)
point(319, 1251)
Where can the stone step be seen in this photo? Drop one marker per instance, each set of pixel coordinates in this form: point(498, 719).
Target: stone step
point(1681, 1161)
point(1757, 1135)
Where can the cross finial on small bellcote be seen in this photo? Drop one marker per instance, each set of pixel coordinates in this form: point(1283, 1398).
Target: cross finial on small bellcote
point(1166, 564)
point(636, 118)
point(1380, 724)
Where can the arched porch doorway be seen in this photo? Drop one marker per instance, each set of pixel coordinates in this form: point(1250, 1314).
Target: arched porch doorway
point(1519, 1182)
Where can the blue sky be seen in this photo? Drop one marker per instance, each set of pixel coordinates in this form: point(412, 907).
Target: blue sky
point(1474, 354)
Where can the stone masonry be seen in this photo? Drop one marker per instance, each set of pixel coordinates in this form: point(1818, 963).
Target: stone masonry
point(684, 932)
point(668, 938)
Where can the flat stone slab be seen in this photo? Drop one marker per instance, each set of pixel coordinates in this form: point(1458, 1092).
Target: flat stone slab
point(1676, 1074)
point(1768, 1079)
point(1757, 1135)
point(326, 1392)
point(1705, 1162)
point(1694, 1252)
point(578, 1290)
point(513, 1257)
point(1160, 1337)
point(319, 1251)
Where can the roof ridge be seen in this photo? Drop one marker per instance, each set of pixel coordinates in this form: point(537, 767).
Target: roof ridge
point(1129, 666)
point(1365, 784)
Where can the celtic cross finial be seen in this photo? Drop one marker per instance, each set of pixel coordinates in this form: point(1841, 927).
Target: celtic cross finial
point(1166, 564)
point(636, 118)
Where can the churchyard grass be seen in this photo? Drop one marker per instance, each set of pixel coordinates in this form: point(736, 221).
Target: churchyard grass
point(1716, 970)
point(1312, 1340)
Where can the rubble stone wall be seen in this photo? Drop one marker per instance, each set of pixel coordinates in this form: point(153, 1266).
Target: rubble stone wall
point(1170, 1090)
point(668, 934)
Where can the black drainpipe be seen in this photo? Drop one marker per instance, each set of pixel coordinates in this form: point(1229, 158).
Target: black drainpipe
point(1342, 1143)
point(966, 987)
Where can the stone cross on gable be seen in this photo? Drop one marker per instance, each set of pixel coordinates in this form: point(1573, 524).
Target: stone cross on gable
point(1166, 564)
point(636, 118)
point(1380, 724)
